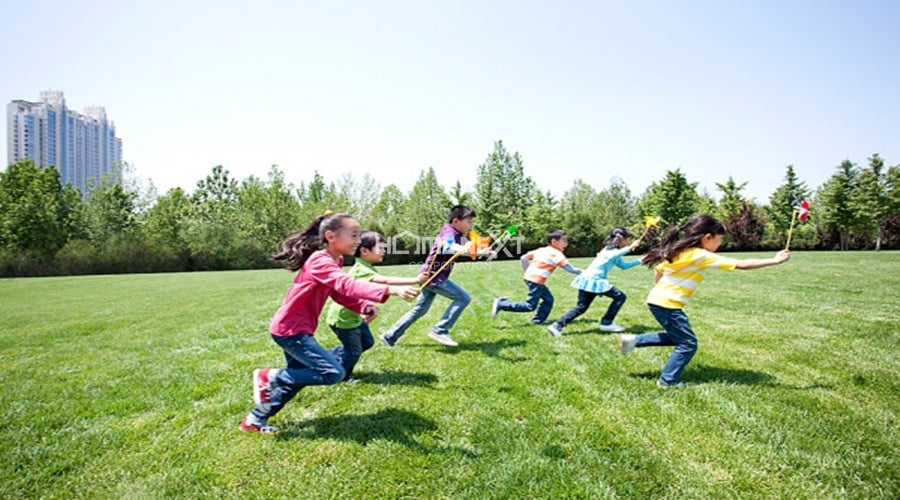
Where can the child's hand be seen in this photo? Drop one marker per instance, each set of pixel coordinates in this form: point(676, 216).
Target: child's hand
point(782, 256)
point(422, 278)
point(369, 313)
point(407, 293)
point(635, 245)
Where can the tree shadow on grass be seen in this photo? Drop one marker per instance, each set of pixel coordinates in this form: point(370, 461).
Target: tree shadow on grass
point(397, 378)
point(391, 424)
point(702, 374)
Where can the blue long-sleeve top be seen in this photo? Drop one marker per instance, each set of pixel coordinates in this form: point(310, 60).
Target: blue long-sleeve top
point(593, 279)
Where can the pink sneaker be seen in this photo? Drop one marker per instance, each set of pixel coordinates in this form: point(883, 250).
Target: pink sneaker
point(248, 426)
point(262, 388)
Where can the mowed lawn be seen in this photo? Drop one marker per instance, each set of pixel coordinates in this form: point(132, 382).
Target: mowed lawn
point(133, 386)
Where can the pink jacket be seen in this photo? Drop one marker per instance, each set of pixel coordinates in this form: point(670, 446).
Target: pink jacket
point(319, 278)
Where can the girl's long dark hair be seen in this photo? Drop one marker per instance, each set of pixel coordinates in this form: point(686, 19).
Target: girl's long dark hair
point(299, 246)
point(687, 236)
point(616, 236)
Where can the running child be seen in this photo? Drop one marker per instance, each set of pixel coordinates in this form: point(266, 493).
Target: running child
point(538, 265)
point(681, 261)
point(319, 277)
point(448, 242)
point(350, 327)
point(592, 283)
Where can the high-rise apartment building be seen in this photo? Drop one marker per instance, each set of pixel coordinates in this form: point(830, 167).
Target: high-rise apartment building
point(83, 147)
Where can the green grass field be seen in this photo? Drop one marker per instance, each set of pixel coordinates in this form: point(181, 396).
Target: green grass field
point(133, 386)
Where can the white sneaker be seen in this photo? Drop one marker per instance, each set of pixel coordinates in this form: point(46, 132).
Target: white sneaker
point(611, 328)
point(663, 385)
point(554, 330)
point(495, 308)
point(627, 343)
point(442, 339)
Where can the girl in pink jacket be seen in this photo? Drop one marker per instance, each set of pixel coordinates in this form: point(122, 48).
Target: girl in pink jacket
point(320, 276)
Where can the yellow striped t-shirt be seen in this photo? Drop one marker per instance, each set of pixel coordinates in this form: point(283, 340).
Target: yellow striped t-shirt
point(680, 278)
point(544, 261)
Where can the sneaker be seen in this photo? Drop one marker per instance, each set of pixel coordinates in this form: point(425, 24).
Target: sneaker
point(627, 343)
point(351, 380)
point(539, 322)
point(442, 339)
point(262, 388)
point(248, 426)
point(611, 328)
point(554, 330)
point(495, 308)
point(386, 341)
point(663, 385)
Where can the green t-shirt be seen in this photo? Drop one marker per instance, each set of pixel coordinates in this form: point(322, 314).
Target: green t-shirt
point(339, 315)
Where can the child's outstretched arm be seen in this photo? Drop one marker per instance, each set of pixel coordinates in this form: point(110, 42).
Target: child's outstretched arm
point(571, 269)
point(779, 258)
point(396, 280)
point(407, 293)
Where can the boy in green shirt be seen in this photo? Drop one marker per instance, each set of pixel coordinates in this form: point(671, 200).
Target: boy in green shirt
point(349, 327)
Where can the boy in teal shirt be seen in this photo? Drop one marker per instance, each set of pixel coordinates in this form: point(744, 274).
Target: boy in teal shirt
point(350, 327)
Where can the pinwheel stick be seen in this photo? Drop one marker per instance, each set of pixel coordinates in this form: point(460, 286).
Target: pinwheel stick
point(443, 266)
point(787, 246)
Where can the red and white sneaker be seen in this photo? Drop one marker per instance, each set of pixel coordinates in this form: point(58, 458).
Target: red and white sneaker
point(248, 426)
point(262, 388)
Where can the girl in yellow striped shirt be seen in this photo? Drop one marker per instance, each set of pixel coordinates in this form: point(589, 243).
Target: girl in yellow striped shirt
point(681, 261)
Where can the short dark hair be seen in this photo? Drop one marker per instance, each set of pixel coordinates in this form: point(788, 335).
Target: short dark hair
point(556, 234)
point(368, 240)
point(460, 212)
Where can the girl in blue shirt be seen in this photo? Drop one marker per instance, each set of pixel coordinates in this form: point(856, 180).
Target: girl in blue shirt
point(592, 283)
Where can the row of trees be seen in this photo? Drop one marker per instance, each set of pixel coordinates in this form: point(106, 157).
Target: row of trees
point(50, 228)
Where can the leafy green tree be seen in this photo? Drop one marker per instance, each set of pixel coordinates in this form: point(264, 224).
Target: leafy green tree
point(784, 201)
point(213, 233)
point(164, 228)
point(389, 210)
point(38, 214)
point(503, 192)
point(540, 218)
point(318, 197)
point(360, 197)
point(459, 196)
point(835, 208)
point(871, 199)
point(673, 199)
point(109, 211)
point(268, 211)
point(615, 207)
point(578, 212)
point(732, 200)
point(427, 207)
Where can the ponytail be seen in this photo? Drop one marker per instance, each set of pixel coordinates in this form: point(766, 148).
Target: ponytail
point(299, 246)
point(677, 239)
point(616, 236)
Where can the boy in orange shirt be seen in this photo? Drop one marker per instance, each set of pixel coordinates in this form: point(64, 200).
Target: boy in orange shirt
point(538, 265)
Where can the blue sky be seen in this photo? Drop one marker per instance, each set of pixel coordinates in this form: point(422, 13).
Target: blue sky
point(581, 89)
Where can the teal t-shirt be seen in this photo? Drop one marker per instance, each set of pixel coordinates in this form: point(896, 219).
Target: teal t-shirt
point(339, 315)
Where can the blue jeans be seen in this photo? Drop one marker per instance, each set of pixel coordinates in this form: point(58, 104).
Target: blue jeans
point(460, 299)
point(584, 302)
point(353, 342)
point(308, 363)
point(536, 294)
point(679, 334)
